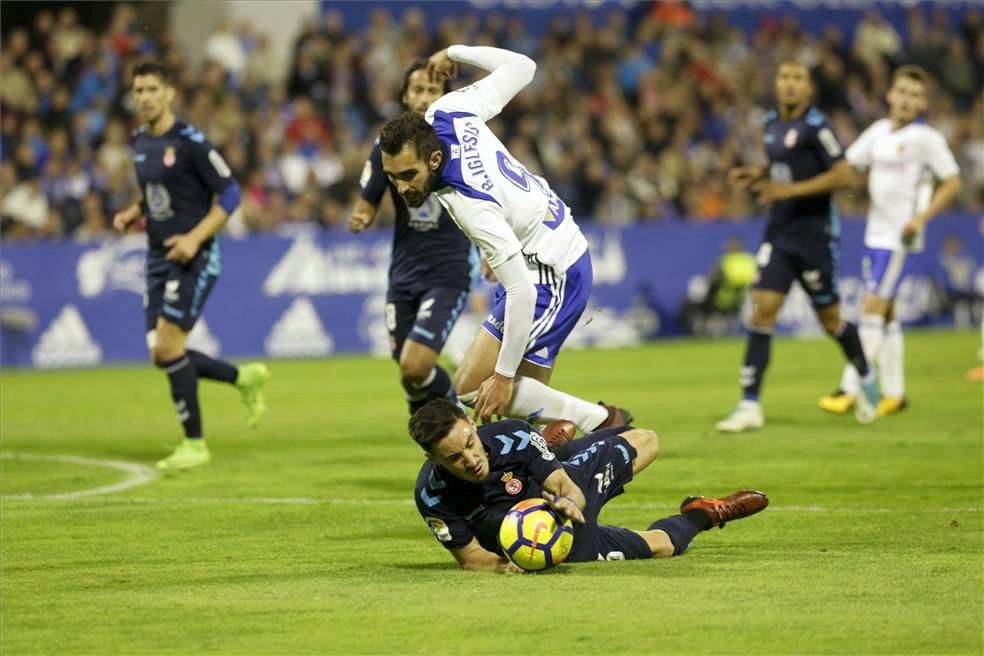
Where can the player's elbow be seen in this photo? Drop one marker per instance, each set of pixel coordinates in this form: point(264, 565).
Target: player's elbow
point(527, 69)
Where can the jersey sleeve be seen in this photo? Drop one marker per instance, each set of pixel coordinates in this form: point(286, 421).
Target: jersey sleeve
point(485, 224)
point(858, 153)
point(510, 72)
point(210, 166)
point(827, 146)
point(450, 528)
point(939, 157)
point(373, 182)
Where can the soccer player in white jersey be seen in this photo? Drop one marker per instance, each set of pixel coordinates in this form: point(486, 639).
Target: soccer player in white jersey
point(523, 229)
point(903, 156)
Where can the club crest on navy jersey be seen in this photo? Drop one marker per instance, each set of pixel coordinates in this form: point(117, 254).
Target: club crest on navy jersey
point(170, 157)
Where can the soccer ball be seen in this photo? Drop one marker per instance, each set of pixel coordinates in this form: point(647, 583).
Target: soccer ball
point(533, 536)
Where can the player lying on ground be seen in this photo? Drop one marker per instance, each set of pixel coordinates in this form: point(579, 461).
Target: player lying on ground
point(474, 475)
point(902, 155)
point(526, 233)
point(433, 262)
point(188, 194)
point(801, 239)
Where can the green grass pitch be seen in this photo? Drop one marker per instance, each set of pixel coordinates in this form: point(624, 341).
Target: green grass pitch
point(300, 537)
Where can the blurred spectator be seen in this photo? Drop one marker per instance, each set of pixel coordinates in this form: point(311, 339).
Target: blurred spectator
point(632, 118)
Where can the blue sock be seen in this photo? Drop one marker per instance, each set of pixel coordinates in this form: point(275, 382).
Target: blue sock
point(680, 529)
point(757, 351)
point(184, 392)
point(211, 368)
point(850, 343)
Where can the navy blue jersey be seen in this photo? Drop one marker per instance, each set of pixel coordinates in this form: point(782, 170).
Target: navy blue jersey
point(429, 250)
point(456, 510)
point(179, 174)
point(799, 150)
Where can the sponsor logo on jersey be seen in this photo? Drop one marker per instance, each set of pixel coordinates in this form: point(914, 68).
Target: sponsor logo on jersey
point(158, 201)
point(299, 333)
point(115, 266)
point(790, 139)
point(66, 342)
point(440, 529)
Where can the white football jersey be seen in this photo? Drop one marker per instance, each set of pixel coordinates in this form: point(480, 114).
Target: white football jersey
point(494, 199)
point(902, 166)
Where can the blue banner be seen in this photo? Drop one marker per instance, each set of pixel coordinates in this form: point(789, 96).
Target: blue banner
point(318, 293)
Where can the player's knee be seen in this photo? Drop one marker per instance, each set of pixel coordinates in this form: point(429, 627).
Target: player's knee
point(831, 324)
point(414, 371)
point(166, 351)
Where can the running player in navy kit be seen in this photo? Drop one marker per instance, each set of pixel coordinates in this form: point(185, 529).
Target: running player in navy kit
point(433, 265)
point(474, 475)
point(801, 242)
point(187, 195)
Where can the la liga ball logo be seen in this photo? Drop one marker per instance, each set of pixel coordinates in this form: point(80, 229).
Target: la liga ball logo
point(514, 486)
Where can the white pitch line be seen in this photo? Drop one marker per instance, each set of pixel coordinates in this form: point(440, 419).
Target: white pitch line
point(137, 475)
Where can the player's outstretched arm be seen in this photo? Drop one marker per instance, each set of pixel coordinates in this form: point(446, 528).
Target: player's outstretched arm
point(473, 557)
point(564, 495)
point(509, 73)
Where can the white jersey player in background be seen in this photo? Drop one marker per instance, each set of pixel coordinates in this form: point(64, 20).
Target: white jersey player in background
point(903, 156)
point(525, 232)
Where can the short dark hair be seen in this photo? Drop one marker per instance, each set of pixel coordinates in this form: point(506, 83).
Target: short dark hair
point(409, 128)
point(415, 66)
point(434, 421)
point(913, 72)
point(153, 67)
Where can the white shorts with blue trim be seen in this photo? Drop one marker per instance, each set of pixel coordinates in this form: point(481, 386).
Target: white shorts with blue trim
point(883, 270)
point(560, 302)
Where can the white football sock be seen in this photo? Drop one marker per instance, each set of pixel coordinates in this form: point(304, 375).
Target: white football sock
point(545, 404)
point(891, 361)
point(871, 330)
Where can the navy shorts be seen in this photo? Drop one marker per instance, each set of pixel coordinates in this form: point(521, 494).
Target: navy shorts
point(177, 292)
point(814, 264)
point(426, 318)
point(602, 469)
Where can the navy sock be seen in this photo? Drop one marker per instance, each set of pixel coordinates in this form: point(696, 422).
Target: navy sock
point(184, 391)
point(850, 343)
point(681, 530)
point(211, 368)
point(757, 351)
point(437, 386)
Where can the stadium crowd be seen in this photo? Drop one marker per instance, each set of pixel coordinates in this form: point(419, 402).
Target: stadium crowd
point(637, 119)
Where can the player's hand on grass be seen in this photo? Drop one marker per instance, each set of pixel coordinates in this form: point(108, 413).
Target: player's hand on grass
point(741, 177)
point(565, 507)
point(183, 248)
point(770, 192)
point(493, 397)
point(440, 67)
point(359, 221)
